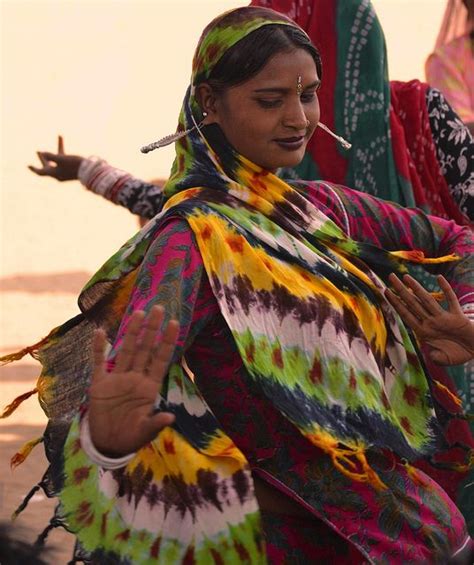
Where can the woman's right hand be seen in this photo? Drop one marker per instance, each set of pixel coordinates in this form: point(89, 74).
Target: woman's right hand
point(121, 418)
point(58, 165)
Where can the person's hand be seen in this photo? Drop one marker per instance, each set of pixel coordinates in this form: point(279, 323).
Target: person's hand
point(449, 333)
point(121, 418)
point(58, 165)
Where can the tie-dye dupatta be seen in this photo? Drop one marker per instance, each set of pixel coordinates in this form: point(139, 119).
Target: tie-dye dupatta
point(309, 320)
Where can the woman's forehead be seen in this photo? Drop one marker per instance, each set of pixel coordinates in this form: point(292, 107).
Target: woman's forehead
point(284, 68)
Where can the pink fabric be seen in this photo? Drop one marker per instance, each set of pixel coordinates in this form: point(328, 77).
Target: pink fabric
point(455, 22)
point(451, 69)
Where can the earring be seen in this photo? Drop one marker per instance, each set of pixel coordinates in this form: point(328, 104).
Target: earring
point(169, 139)
point(339, 138)
point(204, 114)
point(307, 123)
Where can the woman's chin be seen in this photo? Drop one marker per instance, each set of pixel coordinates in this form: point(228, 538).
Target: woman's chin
point(290, 161)
point(285, 160)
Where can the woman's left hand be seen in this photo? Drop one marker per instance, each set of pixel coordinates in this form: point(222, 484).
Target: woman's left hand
point(61, 166)
point(449, 333)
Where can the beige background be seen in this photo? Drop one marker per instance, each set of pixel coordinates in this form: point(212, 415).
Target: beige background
point(110, 77)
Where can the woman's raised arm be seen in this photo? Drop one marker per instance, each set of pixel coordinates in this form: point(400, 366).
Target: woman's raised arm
point(142, 198)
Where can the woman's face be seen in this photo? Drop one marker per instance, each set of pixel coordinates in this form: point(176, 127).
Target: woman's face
point(270, 118)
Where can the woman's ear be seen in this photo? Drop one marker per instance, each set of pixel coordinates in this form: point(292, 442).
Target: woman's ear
point(207, 102)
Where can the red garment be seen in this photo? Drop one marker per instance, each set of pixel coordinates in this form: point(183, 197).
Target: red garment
point(415, 152)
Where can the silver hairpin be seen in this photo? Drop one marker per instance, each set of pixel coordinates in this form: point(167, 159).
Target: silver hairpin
point(169, 139)
point(339, 138)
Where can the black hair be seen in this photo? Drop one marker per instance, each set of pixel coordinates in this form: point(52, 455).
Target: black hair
point(249, 55)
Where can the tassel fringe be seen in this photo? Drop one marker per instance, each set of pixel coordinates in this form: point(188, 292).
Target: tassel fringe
point(21, 455)
point(415, 476)
point(448, 393)
point(8, 410)
point(419, 257)
point(348, 460)
point(25, 501)
point(33, 349)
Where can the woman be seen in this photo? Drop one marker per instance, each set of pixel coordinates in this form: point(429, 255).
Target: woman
point(387, 158)
point(436, 175)
point(451, 67)
point(308, 398)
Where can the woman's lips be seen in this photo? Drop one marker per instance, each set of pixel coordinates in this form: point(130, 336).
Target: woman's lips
point(291, 143)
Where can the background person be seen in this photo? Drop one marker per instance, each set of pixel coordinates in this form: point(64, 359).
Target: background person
point(450, 68)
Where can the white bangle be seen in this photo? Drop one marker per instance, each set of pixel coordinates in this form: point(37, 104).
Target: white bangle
point(97, 457)
point(87, 169)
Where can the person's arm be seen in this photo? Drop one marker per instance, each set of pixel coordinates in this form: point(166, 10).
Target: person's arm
point(171, 277)
point(394, 228)
point(142, 198)
point(447, 330)
point(454, 149)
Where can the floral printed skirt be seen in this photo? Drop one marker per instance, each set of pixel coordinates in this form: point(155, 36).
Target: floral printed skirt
point(295, 540)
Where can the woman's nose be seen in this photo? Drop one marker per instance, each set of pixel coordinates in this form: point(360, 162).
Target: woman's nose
point(295, 116)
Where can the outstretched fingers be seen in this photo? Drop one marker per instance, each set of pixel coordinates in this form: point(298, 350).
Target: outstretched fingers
point(60, 145)
point(163, 353)
point(451, 298)
point(407, 316)
point(152, 327)
point(395, 299)
point(128, 347)
point(46, 159)
point(41, 172)
point(424, 297)
point(410, 297)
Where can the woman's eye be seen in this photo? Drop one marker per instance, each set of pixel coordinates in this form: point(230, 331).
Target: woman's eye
point(308, 97)
point(269, 103)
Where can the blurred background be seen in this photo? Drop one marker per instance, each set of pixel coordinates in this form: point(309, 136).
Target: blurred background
point(109, 76)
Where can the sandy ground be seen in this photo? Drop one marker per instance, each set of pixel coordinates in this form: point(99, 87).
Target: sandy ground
point(31, 303)
point(24, 425)
point(32, 295)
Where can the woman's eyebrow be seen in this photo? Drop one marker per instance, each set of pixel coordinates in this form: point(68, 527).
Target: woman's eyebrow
point(281, 90)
